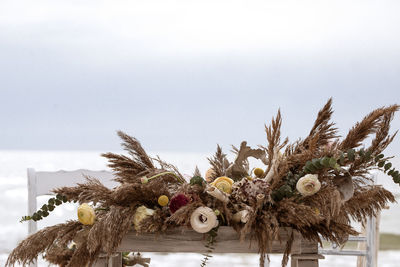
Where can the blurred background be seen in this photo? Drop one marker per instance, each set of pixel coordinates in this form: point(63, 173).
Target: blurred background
point(182, 76)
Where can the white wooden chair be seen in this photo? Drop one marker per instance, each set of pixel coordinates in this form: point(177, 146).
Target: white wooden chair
point(41, 183)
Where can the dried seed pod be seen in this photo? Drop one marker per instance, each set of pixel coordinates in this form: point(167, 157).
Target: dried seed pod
point(241, 216)
point(218, 194)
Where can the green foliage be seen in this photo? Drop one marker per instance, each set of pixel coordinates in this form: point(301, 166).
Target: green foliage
point(211, 236)
point(46, 208)
point(386, 166)
point(197, 180)
point(351, 155)
point(318, 164)
point(288, 189)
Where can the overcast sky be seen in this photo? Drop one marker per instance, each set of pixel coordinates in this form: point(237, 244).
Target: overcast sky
point(186, 75)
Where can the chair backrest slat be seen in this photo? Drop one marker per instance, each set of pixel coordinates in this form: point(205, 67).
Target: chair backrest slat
point(47, 181)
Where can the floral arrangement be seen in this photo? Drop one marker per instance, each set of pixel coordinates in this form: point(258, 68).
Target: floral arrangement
point(315, 185)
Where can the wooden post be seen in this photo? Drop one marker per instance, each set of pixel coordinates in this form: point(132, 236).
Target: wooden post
point(104, 261)
point(101, 262)
point(187, 240)
point(115, 261)
point(308, 256)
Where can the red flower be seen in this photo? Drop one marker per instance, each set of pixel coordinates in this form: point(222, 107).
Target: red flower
point(177, 202)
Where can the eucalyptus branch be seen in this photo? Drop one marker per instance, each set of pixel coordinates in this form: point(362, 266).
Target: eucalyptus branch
point(45, 210)
point(211, 238)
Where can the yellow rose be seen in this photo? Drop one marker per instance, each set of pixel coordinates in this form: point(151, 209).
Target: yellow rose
point(224, 184)
point(141, 213)
point(86, 214)
point(308, 185)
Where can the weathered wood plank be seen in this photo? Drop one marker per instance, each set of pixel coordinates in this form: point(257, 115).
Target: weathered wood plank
point(187, 240)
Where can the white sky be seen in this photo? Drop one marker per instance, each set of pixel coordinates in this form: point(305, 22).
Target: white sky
point(184, 75)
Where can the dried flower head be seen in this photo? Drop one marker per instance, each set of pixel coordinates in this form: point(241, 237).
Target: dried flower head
point(224, 184)
point(163, 200)
point(210, 174)
point(177, 202)
point(141, 213)
point(246, 190)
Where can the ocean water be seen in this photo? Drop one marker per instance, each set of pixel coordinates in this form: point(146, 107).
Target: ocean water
point(13, 204)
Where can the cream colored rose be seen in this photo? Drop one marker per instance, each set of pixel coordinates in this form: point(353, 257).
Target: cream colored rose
point(86, 214)
point(141, 213)
point(308, 185)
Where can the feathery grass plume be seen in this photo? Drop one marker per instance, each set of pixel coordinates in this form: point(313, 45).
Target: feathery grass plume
point(275, 159)
point(109, 229)
point(335, 232)
point(154, 223)
point(144, 194)
point(274, 138)
point(325, 204)
point(288, 249)
point(323, 130)
point(370, 124)
point(382, 138)
point(58, 255)
point(197, 172)
point(82, 256)
point(265, 229)
point(321, 134)
point(127, 169)
point(91, 191)
point(182, 215)
point(28, 250)
point(367, 201)
point(219, 163)
point(296, 214)
point(165, 166)
point(360, 167)
point(135, 149)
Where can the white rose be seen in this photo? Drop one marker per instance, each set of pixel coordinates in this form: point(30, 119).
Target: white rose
point(308, 185)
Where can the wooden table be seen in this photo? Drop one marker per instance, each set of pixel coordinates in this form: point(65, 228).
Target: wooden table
point(304, 253)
